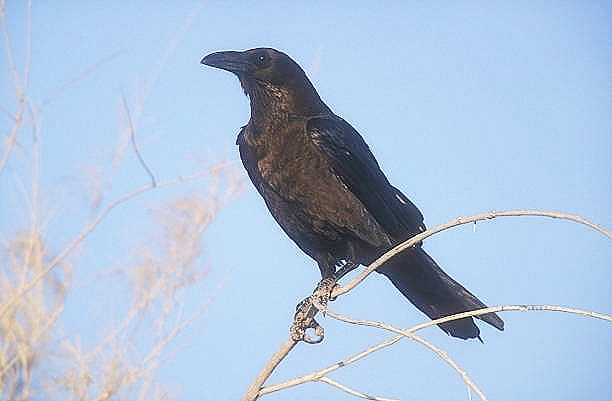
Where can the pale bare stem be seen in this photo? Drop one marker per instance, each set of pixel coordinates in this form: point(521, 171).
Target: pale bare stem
point(349, 390)
point(9, 53)
point(320, 373)
point(20, 88)
point(133, 140)
point(35, 185)
point(504, 308)
point(28, 41)
point(254, 390)
point(11, 140)
point(410, 334)
point(457, 222)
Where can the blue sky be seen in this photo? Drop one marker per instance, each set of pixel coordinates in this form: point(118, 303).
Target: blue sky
point(468, 108)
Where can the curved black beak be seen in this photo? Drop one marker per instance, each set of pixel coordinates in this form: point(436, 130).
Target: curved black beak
point(232, 61)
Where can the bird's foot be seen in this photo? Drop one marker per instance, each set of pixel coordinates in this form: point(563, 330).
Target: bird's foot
point(304, 320)
point(324, 290)
point(306, 311)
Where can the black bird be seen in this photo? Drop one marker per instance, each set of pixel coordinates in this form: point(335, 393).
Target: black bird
point(324, 187)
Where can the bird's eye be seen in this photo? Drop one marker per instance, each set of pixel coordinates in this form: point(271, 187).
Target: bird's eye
point(262, 59)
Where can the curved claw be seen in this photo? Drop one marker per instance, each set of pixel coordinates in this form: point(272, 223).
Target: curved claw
point(318, 331)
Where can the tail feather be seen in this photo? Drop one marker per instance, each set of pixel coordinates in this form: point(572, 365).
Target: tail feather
point(424, 283)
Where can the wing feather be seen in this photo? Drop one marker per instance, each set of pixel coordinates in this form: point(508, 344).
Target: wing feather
point(353, 162)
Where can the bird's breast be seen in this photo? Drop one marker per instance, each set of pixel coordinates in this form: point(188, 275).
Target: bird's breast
point(297, 183)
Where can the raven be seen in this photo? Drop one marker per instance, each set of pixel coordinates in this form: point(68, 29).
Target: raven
point(324, 187)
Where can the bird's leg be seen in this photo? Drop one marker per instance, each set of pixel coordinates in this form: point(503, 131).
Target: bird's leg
point(344, 270)
point(326, 285)
point(306, 310)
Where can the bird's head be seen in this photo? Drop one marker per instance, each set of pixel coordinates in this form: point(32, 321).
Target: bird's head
point(267, 74)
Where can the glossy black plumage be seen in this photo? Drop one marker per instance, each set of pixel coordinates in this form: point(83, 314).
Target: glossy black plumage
point(324, 187)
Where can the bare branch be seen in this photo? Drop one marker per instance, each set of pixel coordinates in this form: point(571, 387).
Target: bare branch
point(20, 88)
point(492, 309)
point(457, 222)
point(349, 390)
point(315, 376)
point(26, 64)
point(256, 390)
point(131, 129)
point(410, 334)
point(9, 143)
point(320, 373)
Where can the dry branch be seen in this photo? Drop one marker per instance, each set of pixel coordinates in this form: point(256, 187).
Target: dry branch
point(457, 222)
point(410, 334)
point(349, 390)
point(256, 389)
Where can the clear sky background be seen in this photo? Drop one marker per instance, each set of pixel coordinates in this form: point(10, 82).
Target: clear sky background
point(468, 108)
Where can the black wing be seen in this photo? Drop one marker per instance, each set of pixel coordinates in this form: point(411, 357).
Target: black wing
point(355, 165)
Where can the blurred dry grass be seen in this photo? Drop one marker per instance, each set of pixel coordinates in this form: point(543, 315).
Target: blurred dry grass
point(39, 358)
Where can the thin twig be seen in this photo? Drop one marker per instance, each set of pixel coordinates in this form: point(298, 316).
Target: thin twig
point(349, 390)
point(9, 53)
point(320, 373)
point(410, 334)
point(457, 222)
point(26, 64)
point(504, 308)
point(20, 88)
point(133, 140)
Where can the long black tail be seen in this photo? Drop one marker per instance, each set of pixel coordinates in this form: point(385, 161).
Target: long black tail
point(431, 290)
